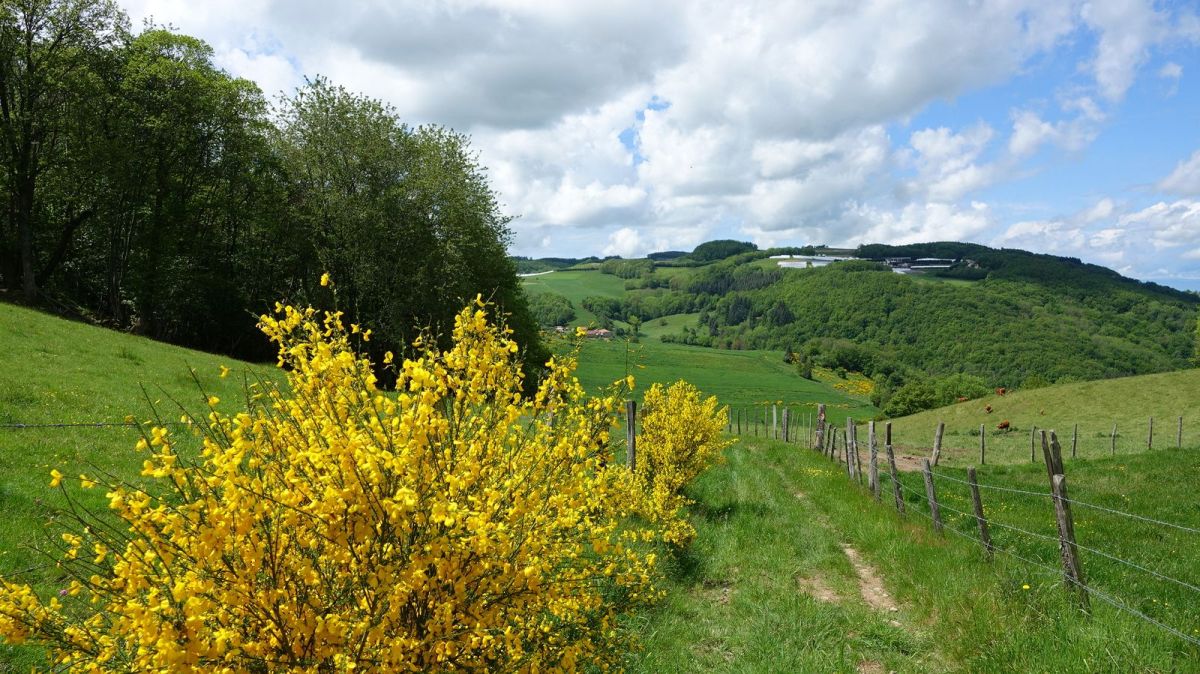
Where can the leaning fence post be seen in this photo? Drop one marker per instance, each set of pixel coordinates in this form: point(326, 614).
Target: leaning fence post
point(985, 536)
point(1072, 566)
point(849, 448)
point(1114, 439)
point(937, 442)
point(931, 494)
point(1150, 435)
point(631, 434)
point(1032, 440)
point(873, 467)
point(1074, 441)
point(982, 445)
point(891, 455)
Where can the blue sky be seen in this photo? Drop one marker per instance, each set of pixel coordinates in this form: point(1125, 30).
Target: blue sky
point(624, 127)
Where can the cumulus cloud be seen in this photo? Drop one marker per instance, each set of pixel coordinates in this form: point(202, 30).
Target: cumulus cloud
point(629, 126)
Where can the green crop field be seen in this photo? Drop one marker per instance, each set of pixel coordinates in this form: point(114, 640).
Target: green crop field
point(1128, 402)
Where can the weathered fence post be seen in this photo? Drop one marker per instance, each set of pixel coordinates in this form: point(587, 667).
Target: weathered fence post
point(858, 473)
point(850, 447)
point(896, 491)
point(1150, 435)
point(1074, 441)
point(1072, 566)
point(739, 421)
point(982, 445)
point(786, 424)
point(821, 425)
point(1032, 440)
point(931, 494)
point(873, 467)
point(631, 434)
point(985, 536)
point(1179, 435)
point(774, 421)
point(1114, 439)
point(937, 442)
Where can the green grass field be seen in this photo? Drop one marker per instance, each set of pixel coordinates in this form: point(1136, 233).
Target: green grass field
point(667, 325)
point(576, 285)
point(742, 379)
point(767, 585)
point(1095, 406)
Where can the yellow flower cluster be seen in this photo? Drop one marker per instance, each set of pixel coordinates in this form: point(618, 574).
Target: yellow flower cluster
point(455, 525)
point(680, 438)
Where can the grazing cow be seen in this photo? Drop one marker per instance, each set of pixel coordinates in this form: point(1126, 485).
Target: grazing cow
point(962, 399)
point(1003, 425)
point(988, 409)
point(1001, 391)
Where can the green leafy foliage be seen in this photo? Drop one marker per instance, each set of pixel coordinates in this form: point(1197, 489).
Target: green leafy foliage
point(551, 309)
point(151, 191)
point(721, 249)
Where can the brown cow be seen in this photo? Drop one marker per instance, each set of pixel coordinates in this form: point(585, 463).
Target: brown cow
point(988, 409)
point(1003, 425)
point(1001, 391)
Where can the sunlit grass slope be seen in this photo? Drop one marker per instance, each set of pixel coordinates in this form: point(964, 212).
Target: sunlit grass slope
point(1095, 406)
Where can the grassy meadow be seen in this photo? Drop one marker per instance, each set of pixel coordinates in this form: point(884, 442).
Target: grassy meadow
point(741, 379)
point(576, 285)
point(768, 585)
point(1095, 406)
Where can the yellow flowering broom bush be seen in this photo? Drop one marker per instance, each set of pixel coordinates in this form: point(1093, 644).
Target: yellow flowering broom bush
point(680, 438)
point(453, 526)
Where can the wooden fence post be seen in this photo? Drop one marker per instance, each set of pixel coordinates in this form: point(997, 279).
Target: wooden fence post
point(821, 425)
point(858, 473)
point(631, 434)
point(1072, 566)
point(873, 467)
point(786, 425)
point(982, 445)
point(1179, 436)
point(1074, 441)
point(891, 455)
point(739, 421)
point(1150, 436)
point(1032, 440)
point(937, 442)
point(849, 448)
point(985, 536)
point(931, 494)
point(1114, 439)
point(774, 421)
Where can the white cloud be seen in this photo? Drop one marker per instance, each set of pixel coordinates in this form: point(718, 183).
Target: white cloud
point(1185, 179)
point(1170, 71)
point(770, 119)
point(625, 242)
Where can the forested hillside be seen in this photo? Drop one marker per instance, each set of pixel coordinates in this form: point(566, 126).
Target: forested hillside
point(995, 318)
point(150, 191)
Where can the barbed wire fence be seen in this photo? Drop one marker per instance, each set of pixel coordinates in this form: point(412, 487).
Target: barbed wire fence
point(842, 446)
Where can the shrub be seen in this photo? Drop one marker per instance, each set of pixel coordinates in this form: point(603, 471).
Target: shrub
point(680, 439)
point(454, 526)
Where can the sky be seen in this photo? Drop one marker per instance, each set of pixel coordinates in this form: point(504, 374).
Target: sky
point(624, 127)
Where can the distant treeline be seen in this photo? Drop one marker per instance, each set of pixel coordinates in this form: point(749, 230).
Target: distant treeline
point(149, 190)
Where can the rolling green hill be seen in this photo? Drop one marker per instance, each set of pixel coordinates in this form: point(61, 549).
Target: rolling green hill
point(741, 379)
point(1095, 406)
